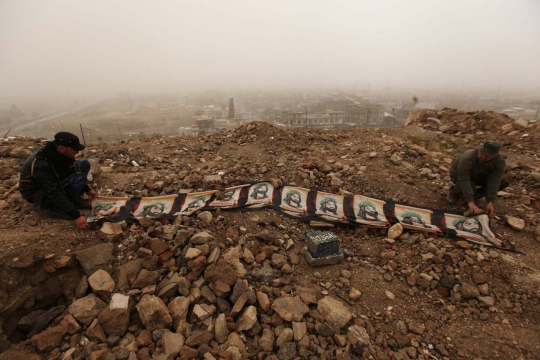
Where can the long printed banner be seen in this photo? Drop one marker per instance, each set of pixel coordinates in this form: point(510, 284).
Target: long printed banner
point(302, 204)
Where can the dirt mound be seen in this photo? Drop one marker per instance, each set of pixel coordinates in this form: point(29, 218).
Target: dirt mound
point(452, 121)
point(478, 126)
point(157, 291)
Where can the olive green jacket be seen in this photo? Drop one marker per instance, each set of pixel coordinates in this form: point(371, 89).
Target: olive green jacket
point(467, 171)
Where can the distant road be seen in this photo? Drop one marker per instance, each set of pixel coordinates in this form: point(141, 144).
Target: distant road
point(18, 129)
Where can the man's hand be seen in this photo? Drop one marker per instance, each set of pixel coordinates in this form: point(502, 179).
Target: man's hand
point(475, 210)
point(81, 223)
point(92, 194)
point(490, 209)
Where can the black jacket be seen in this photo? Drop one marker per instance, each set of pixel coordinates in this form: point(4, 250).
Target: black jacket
point(49, 169)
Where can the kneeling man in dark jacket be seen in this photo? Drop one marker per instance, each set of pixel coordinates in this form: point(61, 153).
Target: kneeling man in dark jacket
point(52, 179)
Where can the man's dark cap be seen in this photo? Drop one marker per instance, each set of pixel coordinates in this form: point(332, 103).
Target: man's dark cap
point(68, 139)
point(491, 148)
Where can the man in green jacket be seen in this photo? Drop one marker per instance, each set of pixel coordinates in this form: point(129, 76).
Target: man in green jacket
point(52, 179)
point(482, 167)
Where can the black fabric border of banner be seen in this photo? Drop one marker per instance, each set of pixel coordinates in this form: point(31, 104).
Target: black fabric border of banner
point(437, 219)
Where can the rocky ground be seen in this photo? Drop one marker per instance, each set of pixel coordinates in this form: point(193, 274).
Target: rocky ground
point(236, 285)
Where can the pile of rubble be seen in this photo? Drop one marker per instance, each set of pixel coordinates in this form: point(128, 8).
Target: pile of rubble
point(491, 124)
point(237, 285)
point(178, 290)
point(187, 293)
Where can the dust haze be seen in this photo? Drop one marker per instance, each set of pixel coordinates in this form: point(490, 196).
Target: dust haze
point(81, 49)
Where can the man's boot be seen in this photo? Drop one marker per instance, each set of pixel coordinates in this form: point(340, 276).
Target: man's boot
point(81, 204)
point(453, 195)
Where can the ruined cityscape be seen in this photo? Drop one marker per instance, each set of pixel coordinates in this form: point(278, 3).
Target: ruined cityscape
point(132, 116)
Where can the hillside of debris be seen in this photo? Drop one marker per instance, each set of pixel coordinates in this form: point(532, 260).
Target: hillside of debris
point(477, 123)
point(221, 285)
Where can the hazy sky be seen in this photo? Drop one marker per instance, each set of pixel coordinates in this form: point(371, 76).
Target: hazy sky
point(76, 48)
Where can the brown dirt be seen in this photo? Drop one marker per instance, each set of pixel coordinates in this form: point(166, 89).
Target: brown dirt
point(472, 331)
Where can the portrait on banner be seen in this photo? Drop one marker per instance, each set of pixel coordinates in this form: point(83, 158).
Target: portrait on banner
point(294, 200)
point(155, 207)
point(260, 195)
point(369, 211)
point(105, 207)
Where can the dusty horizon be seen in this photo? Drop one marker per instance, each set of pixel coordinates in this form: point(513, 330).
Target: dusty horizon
point(73, 49)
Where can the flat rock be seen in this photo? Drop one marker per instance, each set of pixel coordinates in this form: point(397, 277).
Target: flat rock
point(201, 238)
point(169, 285)
point(145, 278)
point(172, 343)
point(247, 319)
point(395, 231)
point(49, 339)
point(178, 308)
point(469, 291)
point(233, 258)
point(286, 335)
point(240, 288)
point(416, 328)
point(308, 295)
point(153, 313)
point(515, 223)
point(197, 338)
point(287, 351)
point(263, 301)
point(95, 258)
point(221, 271)
point(193, 253)
point(487, 300)
point(86, 309)
point(358, 336)
point(520, 124)
point(234, 341)
point(101, 282)
point(299, 330)
point(335, 312)
point(205, 217)
point(239, 304)
point(158, 246)
point(290, 308)
point(264, 274)
point(204, 311)
point(95, 332)
point(197, 265)
point(354, 294)
point(220, 329)
point(37, 320)
point(24, 260)
point(266, 341)
point(127, 273)
point(110, 228)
